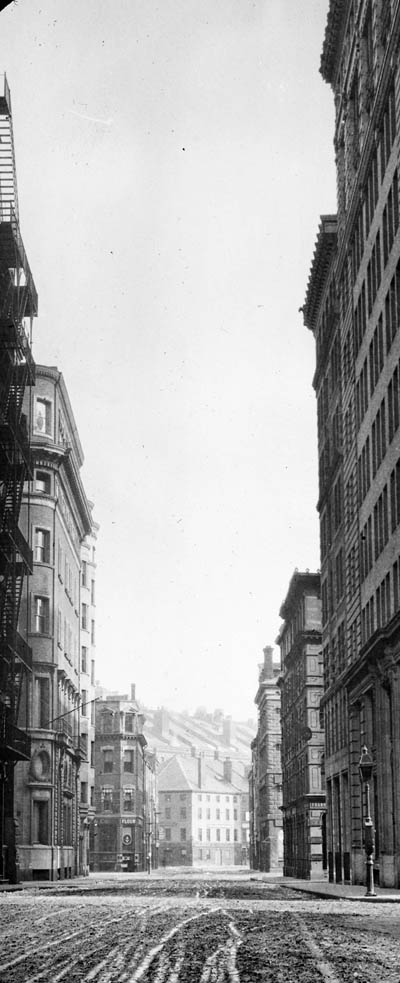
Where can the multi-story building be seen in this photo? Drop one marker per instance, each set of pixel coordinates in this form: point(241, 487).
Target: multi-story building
point(301, 687)
point(56, 519)
point(18, 307)
point(266, 846)
point(88, 693)
point(125, 795)
point(203, 818)
point(352, 305)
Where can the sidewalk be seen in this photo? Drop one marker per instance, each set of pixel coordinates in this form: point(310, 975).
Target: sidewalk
point(344, 892)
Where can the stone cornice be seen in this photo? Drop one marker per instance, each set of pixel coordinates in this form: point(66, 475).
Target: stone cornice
point(324, 251)
point(334, 28)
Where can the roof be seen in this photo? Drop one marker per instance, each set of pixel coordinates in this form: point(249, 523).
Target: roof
point(182, 774)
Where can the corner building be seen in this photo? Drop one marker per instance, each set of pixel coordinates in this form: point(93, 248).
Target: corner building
point(352, 306)
point(55, 518)
point(300, 683)
point(125, 793)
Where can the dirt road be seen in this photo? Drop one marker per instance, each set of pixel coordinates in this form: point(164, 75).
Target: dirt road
point(193, 931)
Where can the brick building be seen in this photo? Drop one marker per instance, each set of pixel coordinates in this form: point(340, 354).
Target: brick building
point(301, 687)
point(203, 817)
point(352, 305)
point(265, 793)
point(55, 518)
point(125, 796)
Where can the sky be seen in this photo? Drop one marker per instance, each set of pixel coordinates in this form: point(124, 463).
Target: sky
point(173, 159)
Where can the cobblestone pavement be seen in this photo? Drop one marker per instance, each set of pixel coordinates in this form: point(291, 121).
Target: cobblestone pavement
point(193, 930)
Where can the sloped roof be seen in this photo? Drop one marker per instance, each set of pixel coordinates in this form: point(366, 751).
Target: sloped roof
point(182, 774)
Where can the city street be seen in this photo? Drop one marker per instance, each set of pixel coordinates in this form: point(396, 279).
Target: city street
point(193, 928)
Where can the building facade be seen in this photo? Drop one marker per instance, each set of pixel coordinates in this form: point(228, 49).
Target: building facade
point(55, 518)
point(125, 792)
point(351, 306)
point(87, 693)
point(265, 793)
point(18, 307)
point(301, 688)
point(203, 811)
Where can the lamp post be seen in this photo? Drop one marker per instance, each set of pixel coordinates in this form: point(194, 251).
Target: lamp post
point(365, 771)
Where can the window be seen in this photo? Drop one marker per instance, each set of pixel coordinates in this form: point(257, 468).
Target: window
point(218, 832)
point(43, 416)
point(60, 562)
point(128, 760)
point(84, 659)
point(183, 813)
point(167, 834)
point(43, 482)
point(227, 814)
point(92, 795)
point(199, 813)
point(208, 834)
point(92, 672)
point(84, 792)
point(235, 814)
point(84, 574)
point(183, 796)
point(107, 761)
point(92, 754)
point(40, 821)
point(168, 812)
point(128, 722)
point(208, 814)
point(84, 700)
point(107, 800)
point(218, 814)
point(92, 633)
point(128, 800)
point(41, 546)
point(41, 615)
point(228, 835)
point(85, 616)
point(200, 835)
point(44, 701)
point(235, 835)
point(183, 835)
point(93, 592)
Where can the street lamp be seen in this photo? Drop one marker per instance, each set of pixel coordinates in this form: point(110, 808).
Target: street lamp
point(365, 771)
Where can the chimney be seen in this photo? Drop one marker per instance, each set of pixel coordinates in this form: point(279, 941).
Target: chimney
point(227, 730)
point(228, 770)
point(133, 692)
point(161, 723)
point(201, 770)
point(268, 662)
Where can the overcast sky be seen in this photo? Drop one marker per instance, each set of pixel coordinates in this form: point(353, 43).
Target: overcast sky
point(173, 158)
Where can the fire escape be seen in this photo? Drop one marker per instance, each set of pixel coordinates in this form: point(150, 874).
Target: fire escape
point(18, 306)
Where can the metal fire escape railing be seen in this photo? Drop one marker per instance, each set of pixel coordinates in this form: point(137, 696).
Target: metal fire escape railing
point(18, 306)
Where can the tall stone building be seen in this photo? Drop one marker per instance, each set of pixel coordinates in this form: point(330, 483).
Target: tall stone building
point(18, 307)
point(301, 686)
point(352, 308)
point(88, 693)
point(265, 792)
point(56, 519)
